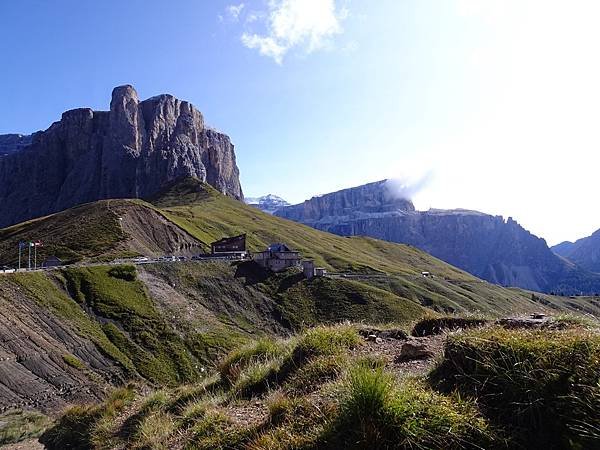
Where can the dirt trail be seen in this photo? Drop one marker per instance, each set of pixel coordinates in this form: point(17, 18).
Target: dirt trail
point(29, 444)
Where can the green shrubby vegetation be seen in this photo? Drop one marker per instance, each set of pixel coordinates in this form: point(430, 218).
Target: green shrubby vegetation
point(493, 388)
point(16, 425)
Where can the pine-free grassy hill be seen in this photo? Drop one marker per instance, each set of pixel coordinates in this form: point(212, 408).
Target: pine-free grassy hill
point(188, 216)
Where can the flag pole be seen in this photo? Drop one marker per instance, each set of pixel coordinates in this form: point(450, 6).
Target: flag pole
point(19, 255)
point(35, 256)
point(29, 257)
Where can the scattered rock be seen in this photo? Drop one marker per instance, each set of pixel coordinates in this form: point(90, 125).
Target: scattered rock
point(415, 348)
point(539, 321)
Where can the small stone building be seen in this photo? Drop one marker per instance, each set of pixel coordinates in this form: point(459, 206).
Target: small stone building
point(278, 257)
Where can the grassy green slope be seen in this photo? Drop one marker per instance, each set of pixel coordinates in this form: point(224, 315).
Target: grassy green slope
point(491, 388)
point(208, 216)
point(92, 232)
point(86, 231)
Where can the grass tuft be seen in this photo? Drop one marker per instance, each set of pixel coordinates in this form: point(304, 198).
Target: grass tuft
point(543, 386)
point(378, 414)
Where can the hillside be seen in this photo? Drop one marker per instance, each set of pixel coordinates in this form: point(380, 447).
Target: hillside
point(190, 215)
point(336, 387)
point(70, 334)
point(102, 231)
point(489, 247)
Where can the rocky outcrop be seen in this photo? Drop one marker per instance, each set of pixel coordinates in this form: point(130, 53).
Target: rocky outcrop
point(489, 247)
point(133, 150)
point(584, 252)
point(44, 363)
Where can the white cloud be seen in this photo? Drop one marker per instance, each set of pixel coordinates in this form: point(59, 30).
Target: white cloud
point(234, 11)
point(306, 24)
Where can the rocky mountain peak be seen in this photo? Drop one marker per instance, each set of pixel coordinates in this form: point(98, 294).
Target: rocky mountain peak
point(132, 150)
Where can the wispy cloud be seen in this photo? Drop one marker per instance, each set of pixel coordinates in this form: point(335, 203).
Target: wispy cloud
point(234, 11)
point(302, 24)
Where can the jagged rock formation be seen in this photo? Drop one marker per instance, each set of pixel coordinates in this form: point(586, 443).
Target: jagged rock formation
point(267, 203)
point(487, 246)
point(133, 150)
point(584, 252)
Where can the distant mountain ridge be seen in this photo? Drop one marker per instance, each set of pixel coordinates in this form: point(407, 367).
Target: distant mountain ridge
point(268, 203)
point(131, 151)
point(11, 143)
point(584, 252)
point(497, 250)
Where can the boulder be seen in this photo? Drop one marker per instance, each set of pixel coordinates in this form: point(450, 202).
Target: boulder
point(414, 348)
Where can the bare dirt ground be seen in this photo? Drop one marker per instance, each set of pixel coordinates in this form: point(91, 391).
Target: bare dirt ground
point(390, 350)
point(29, 444)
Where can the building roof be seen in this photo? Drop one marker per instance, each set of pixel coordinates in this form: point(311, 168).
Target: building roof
point(279, 247)
point(227, 240)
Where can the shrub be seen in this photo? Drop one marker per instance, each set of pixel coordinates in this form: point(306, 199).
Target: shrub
point(437, 325)
point(315, 372)
point(73, 361)
point(18, 425)
point(376, 414)
point(543, 386)
point(127, 273)
point(215, 432)
point(75, 429)
point(328, 340)
point(259, 351)
point(154, 431)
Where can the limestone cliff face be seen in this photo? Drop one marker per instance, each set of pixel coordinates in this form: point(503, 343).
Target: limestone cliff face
point(487, 246)
point(130, 151)
point(373, 199)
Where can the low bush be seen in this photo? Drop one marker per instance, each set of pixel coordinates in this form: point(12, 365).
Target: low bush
point(127, 273)
point(18, 425)
point(256, 352)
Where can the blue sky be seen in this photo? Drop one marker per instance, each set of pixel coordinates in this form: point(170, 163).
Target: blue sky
point(496, 103)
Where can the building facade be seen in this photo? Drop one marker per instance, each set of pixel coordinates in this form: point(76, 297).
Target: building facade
point(278, 257)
